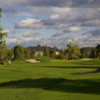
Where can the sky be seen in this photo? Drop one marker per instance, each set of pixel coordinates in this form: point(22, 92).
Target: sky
point(51, 22)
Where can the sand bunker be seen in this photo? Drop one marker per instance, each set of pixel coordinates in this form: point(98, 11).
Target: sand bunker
point(86, 59)
point(33, 60)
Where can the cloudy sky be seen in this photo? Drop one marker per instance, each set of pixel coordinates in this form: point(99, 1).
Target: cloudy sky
point(51, 22)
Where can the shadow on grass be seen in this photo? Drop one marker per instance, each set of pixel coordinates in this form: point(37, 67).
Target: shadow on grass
point(95, 71)
point(59, 84)
point(91, 67)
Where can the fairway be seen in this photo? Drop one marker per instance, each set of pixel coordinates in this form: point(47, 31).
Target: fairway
point(50, 79)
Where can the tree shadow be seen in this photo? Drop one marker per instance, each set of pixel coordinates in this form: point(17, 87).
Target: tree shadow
point(69, 67)
point(90, 72)
point(56, 84)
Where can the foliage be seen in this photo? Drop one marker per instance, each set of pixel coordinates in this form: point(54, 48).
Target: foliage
point(46, 51)
point(54, 52)
point(73, 52)
point(65, 50)
point(85, 54)
point(27, 52)
point(61, 51)
point(39, 54)
point(61, 56)
point(93, 53)
point(2, 43)
point(38, 45)
point(19, 52)
point(98, 50)
point(32, 54)
point(9, 55)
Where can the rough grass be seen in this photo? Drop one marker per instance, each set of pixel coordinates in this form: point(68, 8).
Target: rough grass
point(50, 80)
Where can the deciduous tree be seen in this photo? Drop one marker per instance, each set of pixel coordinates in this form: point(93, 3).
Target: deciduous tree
point(19, 52)
point(27, 52)
point(9, 55)
point(2, 43)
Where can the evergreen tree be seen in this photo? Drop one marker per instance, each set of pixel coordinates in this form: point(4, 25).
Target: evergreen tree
point(62, 51)
point(69, 52)
point(54, 52)
point(19, 52)
point(61, 56)
point(65, 51)
point(76, 52)
point(73, 52)
point(46, 51)
point(2, 43)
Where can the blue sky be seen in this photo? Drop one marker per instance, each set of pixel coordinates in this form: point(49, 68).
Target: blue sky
point(51, 22)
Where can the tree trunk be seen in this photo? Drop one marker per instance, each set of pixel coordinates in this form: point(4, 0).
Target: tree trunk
point(9, 61)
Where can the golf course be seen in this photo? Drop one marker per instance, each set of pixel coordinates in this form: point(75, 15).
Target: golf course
point(50, 79)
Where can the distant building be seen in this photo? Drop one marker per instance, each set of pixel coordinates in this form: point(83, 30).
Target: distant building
point(40, 49)
point(88, 49)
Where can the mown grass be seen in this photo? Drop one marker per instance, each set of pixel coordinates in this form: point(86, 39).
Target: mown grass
point(50, 80)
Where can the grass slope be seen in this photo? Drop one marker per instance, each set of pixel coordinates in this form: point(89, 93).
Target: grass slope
point(50, 80)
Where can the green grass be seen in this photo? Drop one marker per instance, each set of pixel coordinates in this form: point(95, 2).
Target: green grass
point(50, 80)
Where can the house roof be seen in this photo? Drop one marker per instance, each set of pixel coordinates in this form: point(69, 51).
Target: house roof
point(86, 48)
point(41, 48)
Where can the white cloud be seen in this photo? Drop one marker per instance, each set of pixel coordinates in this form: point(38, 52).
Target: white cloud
point(69, 29)
point(26, 42)
point(29, 23)
point(8, 31)
point(74, 29)
point(54, 16)
point(90, 1)
point(30, 34)
point(92, 23)
point(19, 14)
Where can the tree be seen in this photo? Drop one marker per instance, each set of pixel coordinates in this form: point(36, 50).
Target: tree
point(54, 52)
point(61, 56)
point(76, 52)
point(98, 50)
point(93, 53)
point(61, 50)
point(2, 43)
point(19, 52)
point(69, 51)
point(73, 52)
point(39, 54)
point(85, 54)
point(38, 45)
point(46, 51)
point(32, 54)
point(27, 52)
point(9, 55)
point(65, 51)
